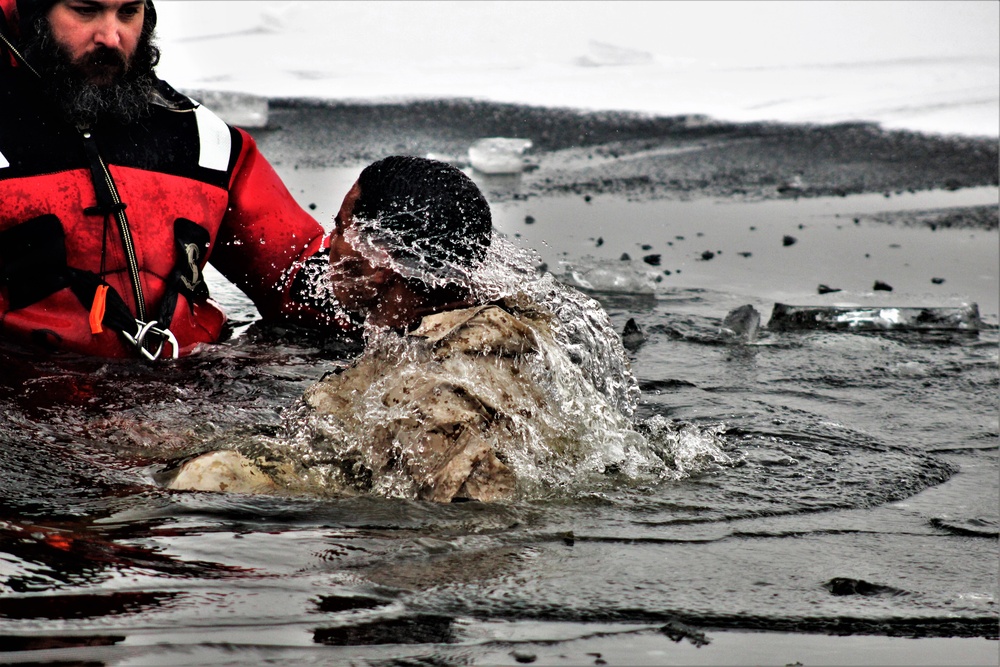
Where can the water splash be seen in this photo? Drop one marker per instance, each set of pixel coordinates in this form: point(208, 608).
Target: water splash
point(584, 330)
point(688, 450)
point(560, 412)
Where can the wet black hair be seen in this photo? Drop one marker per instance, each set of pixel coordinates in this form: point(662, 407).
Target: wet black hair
point(425, 212)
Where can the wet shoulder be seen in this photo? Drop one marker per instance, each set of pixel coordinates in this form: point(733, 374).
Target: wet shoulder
point(488, 329)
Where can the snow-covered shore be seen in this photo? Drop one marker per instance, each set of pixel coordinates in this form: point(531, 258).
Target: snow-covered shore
point(928, 66)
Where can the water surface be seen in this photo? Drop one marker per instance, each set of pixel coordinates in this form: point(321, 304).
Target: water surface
point(860, 498)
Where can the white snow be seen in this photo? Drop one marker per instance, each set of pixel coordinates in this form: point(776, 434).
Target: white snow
point(927, 66)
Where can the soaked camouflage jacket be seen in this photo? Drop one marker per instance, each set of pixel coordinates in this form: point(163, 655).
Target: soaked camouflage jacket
point(452, 406)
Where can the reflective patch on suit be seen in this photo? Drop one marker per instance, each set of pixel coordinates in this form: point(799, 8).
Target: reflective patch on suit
point(216, 144)
point(3, 162)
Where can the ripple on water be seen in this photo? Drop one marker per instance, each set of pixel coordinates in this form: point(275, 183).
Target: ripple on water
point(740, 433)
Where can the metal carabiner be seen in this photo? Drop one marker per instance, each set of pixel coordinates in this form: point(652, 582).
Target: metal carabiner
point(146, 328)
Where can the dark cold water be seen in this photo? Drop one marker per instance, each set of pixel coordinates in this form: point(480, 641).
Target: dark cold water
point(854, 489)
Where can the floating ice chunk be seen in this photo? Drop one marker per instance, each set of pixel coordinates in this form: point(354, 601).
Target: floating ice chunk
point(498, 155)
point(240, 109)
point(609, 276)
point(874, 318)
point(742, 323)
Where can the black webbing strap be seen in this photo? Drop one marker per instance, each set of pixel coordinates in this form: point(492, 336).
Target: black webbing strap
point(84, 285)
point(106, 200)
point(110, 205)
point(117, 316)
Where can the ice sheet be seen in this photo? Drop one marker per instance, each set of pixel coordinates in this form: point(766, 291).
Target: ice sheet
point(929, 66)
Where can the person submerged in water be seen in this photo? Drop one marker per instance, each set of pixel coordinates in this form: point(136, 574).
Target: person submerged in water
point(441, 410)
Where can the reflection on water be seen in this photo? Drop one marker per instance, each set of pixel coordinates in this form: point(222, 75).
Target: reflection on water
point(805, 460)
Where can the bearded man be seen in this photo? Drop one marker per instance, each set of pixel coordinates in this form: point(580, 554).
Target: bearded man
point(116, 190)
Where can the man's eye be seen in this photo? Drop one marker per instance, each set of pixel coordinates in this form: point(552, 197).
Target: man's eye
point(85, 10)
point(128, 12)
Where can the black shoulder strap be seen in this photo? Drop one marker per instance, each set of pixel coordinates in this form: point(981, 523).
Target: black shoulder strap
point(107, 202)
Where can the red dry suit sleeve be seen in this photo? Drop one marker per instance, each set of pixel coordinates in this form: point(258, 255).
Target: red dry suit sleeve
point(265, 236)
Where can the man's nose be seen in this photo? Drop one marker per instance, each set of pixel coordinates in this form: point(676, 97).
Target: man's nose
point(108, 32)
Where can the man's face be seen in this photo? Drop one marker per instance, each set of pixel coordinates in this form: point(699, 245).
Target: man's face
point(359, 283)
point(99, 36)
point(96, 59)
point(364, 283)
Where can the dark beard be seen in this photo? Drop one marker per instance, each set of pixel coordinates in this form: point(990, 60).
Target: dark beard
point(127, 95)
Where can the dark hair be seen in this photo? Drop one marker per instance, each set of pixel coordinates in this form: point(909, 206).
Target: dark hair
point(128, 99)
point(424, 212)
point(30, 11)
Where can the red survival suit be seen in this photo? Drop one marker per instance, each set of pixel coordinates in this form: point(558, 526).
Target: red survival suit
point(106, 230)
